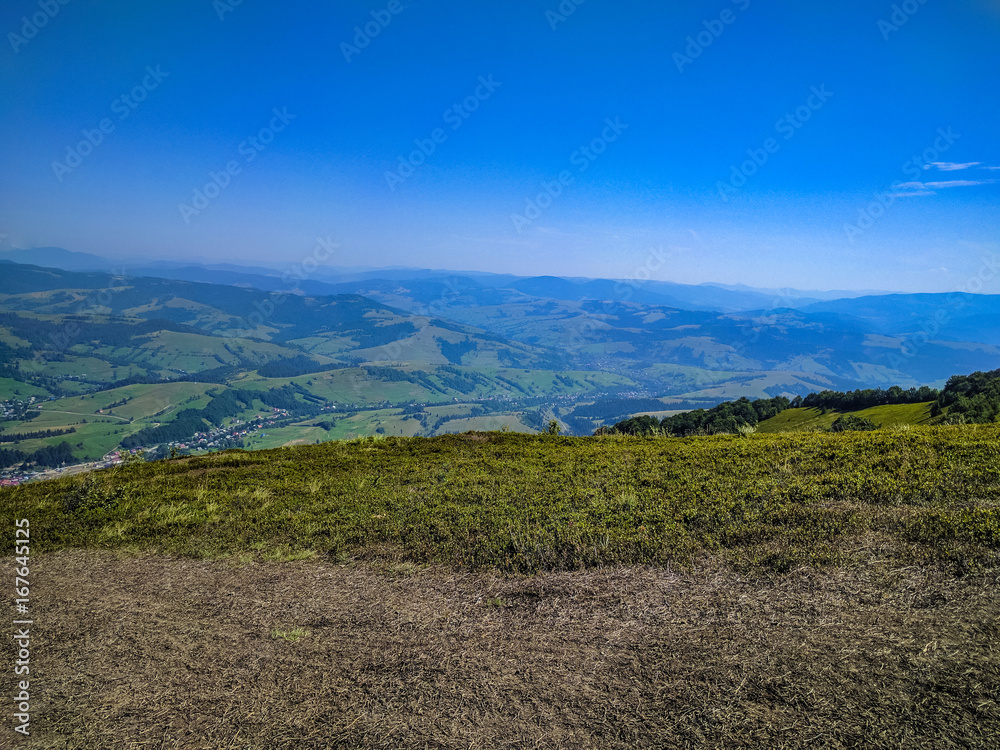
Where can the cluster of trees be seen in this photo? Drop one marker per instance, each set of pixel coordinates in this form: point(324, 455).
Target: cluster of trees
point(16, 437)
point(369, 338)
point(49, 456)
point(393, 375)
point(516, 386)
point(136, 379)
point(534, 419)
point(9, 354)
point(975, 398)
point(228, 403)
point(476, 411)
point(457, 381)
point(292, 367)
point(865, 399)
point(567, 381)
point(218, 375)
point(724, 418)
point(9, 361)
point(511, 358)
point(637, 426)
point(389, 374)
point(454, 352)
point(727, 417)
point(182, 427)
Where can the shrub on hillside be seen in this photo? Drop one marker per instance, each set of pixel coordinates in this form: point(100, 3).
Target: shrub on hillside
point(852, 423)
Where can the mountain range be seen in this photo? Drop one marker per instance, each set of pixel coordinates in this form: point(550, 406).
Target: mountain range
point(545, 346)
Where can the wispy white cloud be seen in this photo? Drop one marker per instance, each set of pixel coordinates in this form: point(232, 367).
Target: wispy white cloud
point(948, 166)
point(957, 183)
point(912, 193)
point(905, 189)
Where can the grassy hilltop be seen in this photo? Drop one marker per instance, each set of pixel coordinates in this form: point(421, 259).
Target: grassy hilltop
point(762, 579)
point(526, 503)
point(768, 591)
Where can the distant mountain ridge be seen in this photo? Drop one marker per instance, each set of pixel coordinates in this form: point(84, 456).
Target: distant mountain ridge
point(328, 280)
point(793, 294)
point(122, 358)
point(337, 326)
point(653, 329)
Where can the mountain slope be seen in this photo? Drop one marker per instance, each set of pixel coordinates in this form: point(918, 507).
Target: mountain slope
point(956, 316)
point(335, 326)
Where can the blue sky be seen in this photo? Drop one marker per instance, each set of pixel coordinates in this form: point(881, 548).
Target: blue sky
point(766, 143)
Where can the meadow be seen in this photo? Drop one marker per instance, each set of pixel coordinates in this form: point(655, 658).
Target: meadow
point(519, 503)
point(498, 589)
point(804, 420)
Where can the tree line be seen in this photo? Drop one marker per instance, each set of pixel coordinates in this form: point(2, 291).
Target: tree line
point(865, 399)
point(726, 417)
point(967, 399)
point(49, 456)
point(16, 437)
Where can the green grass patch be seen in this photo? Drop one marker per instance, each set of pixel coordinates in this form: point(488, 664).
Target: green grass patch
point(524, 503)
point(10, 388)
point(806, 420)
point(292, 635)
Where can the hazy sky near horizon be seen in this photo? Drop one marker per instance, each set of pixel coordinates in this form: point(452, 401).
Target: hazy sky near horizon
point(837, 145)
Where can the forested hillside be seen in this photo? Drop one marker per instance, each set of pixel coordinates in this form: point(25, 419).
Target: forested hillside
point(974, 399)
point(965, 399)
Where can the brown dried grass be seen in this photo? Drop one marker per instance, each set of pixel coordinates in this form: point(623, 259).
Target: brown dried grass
point(158, 652)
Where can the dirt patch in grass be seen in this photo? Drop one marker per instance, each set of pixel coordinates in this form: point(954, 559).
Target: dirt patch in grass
point(159, 652)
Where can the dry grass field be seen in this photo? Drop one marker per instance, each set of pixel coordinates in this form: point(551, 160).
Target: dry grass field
point(164, 652)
